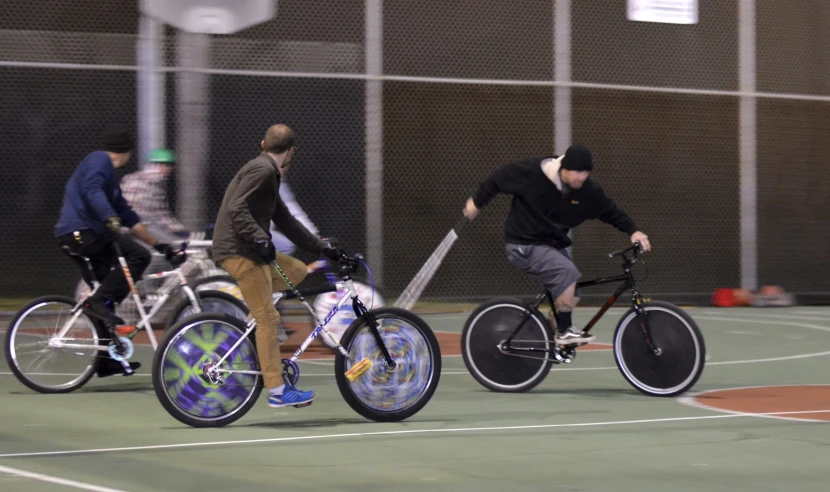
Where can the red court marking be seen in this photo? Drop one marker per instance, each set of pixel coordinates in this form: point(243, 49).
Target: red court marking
point(770, 399)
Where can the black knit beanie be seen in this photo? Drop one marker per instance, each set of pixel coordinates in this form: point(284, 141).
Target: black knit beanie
point(118, 142)
point(578, 158)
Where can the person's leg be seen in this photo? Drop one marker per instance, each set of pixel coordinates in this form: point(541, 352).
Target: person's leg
point(567, 301)
point(115, 287)
point(557, 273)
point(101, 315)
point(256, 283)
point(296, 272)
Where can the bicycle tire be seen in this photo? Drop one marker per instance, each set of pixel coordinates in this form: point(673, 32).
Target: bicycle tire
point(683, 351)
point(490, 324)
point(408, 380)
point(230, 285)
point(196, 393)
point(10, 351)
point(206, 297)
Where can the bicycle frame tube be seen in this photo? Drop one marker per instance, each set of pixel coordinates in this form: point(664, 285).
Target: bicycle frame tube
point(528, 313)
point(144, 319)
point(625, 285)
point(350, 293)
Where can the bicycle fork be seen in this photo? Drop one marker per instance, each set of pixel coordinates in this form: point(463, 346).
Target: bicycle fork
point(643, 321)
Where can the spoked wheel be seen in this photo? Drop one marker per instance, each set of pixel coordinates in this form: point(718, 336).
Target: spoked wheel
point(382, 394)
point(501, 370)
point(212, 301)
point(34, 354)
point(681, 351)
point(187, 380)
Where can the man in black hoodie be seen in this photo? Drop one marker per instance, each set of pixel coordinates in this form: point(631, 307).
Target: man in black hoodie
point(551, 196)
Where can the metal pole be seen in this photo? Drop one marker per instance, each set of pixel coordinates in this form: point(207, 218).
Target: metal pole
point(193, 112)
point(562, 73)
point(374, 139)
point(748, 146)
point(151, 93)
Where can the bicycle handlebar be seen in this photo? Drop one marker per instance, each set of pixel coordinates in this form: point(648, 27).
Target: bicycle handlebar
point(637, 248)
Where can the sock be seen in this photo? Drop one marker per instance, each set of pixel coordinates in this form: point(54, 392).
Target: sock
point(277, 391)
point(564, 321)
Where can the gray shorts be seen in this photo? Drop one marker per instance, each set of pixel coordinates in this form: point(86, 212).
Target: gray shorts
point(549, 266)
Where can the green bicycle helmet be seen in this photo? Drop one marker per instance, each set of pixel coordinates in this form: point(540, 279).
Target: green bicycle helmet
point(162, 156)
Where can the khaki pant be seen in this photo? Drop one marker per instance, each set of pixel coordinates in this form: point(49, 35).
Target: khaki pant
point(257, 282)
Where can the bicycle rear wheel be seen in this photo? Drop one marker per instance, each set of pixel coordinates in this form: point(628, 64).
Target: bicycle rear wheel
point(181, 366)
point(36, 360)
point(680, 361)
point(506, 372)
point(381, 395)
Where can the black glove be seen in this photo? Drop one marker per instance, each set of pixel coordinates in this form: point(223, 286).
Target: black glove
point(335, 254)
point(114, 224)
point(175, 257)
point(266, 250)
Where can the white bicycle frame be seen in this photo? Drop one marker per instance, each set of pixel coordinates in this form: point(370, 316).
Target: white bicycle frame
point(350, 294)
point(58, 340)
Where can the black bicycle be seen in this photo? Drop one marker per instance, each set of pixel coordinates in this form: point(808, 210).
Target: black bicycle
point(508, 346)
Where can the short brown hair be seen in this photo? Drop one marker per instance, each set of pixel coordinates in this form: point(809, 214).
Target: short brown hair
point(278, 139)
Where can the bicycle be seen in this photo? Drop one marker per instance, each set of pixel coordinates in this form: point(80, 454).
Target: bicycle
point(387, 363)
point(162, 289)
point(45, 323)
point(658, 347)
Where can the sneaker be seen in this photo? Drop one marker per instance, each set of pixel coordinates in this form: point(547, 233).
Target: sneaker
point(291, 397)
point(109, 367)
point(573, 336)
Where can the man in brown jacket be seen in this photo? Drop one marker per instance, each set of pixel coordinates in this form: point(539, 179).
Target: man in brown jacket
point(242, 246)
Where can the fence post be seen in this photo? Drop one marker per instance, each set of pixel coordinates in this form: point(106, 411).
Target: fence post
point(374, 139)
point(748, 149)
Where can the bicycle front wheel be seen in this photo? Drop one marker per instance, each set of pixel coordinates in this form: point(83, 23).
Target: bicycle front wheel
point(35, 354)
point(384, 395)
point(182, 377)
point(681, 351)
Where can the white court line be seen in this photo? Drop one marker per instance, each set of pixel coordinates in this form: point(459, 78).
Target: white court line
point(56, 480)
point(690, 400)
point(797, 317)
point(392, 433)
point(757, 321)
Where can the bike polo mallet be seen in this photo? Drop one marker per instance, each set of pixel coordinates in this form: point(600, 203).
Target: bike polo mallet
point(416, 286)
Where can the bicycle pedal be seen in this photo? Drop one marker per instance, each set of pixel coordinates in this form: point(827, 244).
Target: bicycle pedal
point(303, 405)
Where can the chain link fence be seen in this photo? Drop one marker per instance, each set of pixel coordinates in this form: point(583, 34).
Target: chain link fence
point(467, 86)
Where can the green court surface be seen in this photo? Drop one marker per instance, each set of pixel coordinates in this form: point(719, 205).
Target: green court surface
point(583, 429)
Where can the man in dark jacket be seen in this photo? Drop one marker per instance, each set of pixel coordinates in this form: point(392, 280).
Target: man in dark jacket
point(242, 246)
point(92, 213)
point(551, 196)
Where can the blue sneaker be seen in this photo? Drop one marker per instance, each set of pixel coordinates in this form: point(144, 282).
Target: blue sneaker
point(291, 397)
